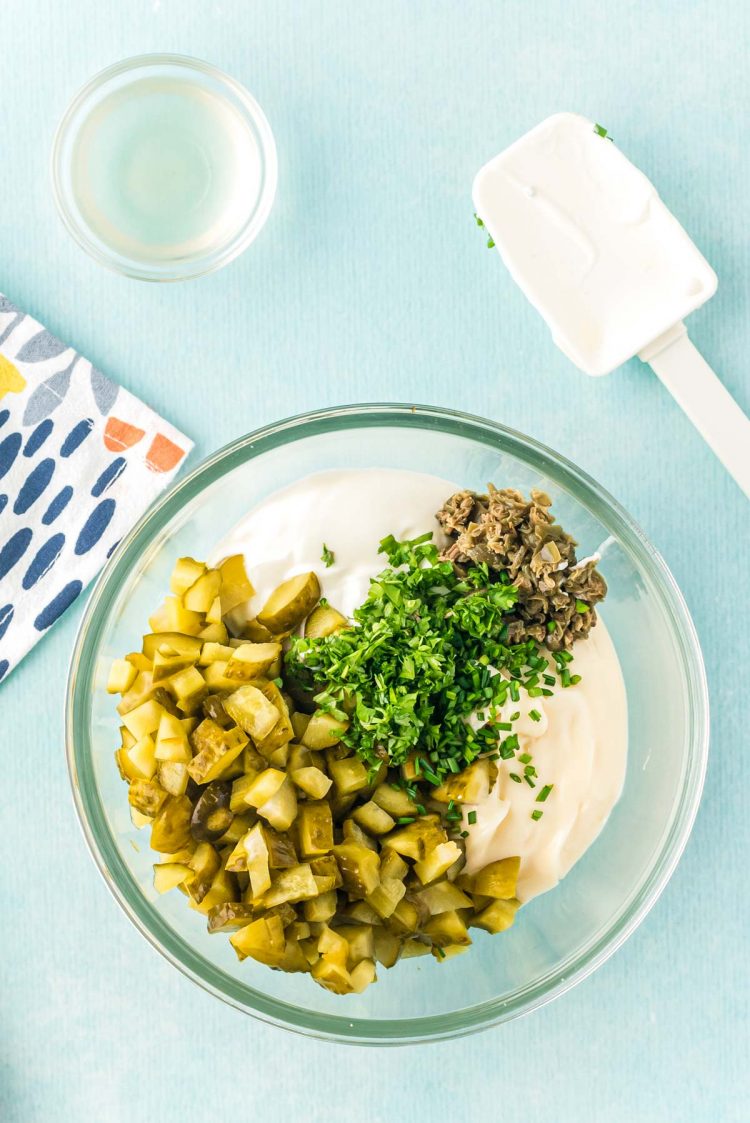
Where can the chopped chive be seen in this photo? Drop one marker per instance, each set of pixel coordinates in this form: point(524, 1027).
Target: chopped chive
point(440, 951)
point(536, 815)
point(535, 715)
point(529, 781)
point(581, 607)
point(542, 797)
point(472, 818)
point(515, 777)
point(478, 219)
point(525, 758)
point(551, 626)
point(405, 820)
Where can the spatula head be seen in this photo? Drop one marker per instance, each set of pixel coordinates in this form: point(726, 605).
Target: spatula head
point(586, 236)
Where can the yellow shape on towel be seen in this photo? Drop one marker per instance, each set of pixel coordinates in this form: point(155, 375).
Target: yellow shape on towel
point(11, 380)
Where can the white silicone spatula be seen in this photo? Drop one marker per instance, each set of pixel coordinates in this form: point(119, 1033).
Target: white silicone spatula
point(586, 236)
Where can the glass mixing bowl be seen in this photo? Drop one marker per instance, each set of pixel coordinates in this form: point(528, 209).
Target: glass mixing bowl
point(560, 937)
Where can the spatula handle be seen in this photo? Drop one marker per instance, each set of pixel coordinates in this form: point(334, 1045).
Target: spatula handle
point(706, 401)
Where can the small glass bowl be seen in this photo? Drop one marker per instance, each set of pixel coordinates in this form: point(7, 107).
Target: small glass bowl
point(559, 937)
point(202, 78)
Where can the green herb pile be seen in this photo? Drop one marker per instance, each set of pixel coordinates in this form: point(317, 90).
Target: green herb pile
point(422, 657)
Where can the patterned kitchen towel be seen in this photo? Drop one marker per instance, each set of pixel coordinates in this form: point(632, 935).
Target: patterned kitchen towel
point(80, 460)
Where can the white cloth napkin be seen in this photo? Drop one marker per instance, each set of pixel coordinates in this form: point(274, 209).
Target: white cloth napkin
point(80, 460)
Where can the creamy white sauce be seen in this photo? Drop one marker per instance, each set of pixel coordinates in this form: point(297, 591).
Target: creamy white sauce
point(586, 236)
point(580, 742)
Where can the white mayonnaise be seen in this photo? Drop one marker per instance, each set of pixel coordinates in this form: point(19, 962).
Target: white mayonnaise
point(580, 742)
point(586, 236)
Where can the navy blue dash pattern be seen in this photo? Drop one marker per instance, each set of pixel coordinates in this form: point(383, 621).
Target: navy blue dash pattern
point(58, 504)
point(8, 452)
point(38, 437)
point(95, 525)
point(13, 550)
point(4, 415)
point(56, 607)
point(44, 560)
point(34, 484)
point(4, 664)
point(3, 503)
point(76, 436)
point(111, 473)
point(6, 615)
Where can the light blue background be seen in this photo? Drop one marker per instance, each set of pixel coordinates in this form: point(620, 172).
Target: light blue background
point(370, 281)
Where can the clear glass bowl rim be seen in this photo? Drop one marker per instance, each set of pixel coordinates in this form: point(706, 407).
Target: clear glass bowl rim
point(213, 259)
point(342, 1028)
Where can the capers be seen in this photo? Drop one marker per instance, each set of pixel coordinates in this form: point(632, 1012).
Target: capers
point(212, 816)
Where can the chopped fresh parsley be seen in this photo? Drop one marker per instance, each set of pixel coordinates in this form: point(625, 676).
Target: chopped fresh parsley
point(327, 557)
point(422, 657)
point(601, 131)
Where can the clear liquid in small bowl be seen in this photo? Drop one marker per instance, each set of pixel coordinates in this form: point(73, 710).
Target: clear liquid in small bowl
point(165, 170)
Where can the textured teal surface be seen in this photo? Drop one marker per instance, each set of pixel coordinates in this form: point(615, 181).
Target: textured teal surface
point(370, 281)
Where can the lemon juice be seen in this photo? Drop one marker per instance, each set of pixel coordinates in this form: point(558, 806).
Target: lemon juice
point(163, 169)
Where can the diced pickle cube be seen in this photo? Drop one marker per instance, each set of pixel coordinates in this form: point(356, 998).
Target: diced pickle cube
point(240, 788)
point(497, 916)
point(392, 864)
point(214, 633)
point(121, 676)
point(332, 976)
point(252, 711)
point(216, 749)
point(171, 827)
point(168, 875)
point(362, 975)
point(215, 653)
point(418, 838)
point(349, 775)
point(229, 916)
point(443, 897)
point(143, 719)
point(300, 723)
point(470, 786)
point(167, 664)
point(177, 642)
point(447, 928)
point(188, 688)
point(257, 865)
point(437, 861)
point(140, 759)
point(262, 939)
point(386, 896)
point(236, 588)
point(324, 621)
point(360, 868)
point(290, 603)
point(323, 730)
point(294, 884)
point(264, 786)
point(387, 947)
point(373, 818)
point(281, 809)
point(315, 828)
point(147, 797)
point(498, 879)
point(251, 660)
point(352, 832)
point(394, 800)
point(201, 595)
point(174, 617)
point(172, 740)
point(321, 908)
point(173, 776)
point(185, 573)
point(282, 731)
point(312, 781)
point(205, 864)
